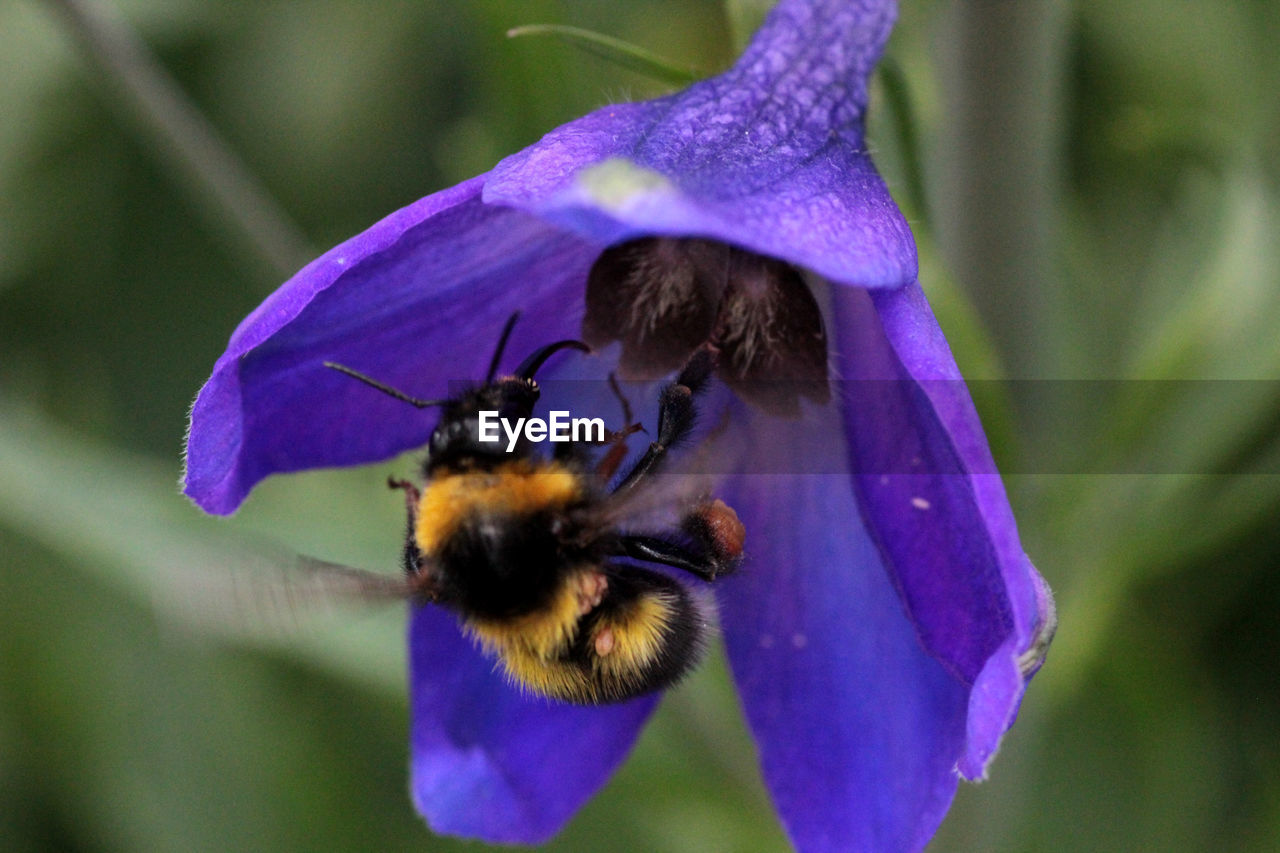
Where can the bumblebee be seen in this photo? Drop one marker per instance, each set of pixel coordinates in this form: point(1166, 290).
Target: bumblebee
point(528, 548)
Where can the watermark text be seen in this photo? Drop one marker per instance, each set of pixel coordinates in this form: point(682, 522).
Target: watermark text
point(559, 427)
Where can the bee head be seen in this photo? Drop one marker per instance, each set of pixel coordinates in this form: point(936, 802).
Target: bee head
point(457, 441)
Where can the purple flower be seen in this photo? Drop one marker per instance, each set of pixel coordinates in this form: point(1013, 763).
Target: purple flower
point(885, 624)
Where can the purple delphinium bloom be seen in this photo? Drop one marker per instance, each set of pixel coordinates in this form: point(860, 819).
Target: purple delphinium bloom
point(883, 628)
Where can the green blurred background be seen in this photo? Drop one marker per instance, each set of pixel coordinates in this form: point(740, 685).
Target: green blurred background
point(1096, 192)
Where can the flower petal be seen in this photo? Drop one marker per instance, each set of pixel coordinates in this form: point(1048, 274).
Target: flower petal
point(492, 763)
point(929, 492)
point(769, 155)
point(858, 726)
point(415, 301)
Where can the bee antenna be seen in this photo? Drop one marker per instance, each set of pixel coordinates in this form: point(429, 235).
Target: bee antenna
point(384, 388)
point(502, 345)
point(539, 356)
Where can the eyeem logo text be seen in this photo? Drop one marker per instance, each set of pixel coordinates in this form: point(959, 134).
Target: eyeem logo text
point(560, 427)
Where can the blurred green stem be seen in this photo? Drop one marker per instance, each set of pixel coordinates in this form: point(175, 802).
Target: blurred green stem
point(1001, 64)
point(621, 53)
point(182, 136)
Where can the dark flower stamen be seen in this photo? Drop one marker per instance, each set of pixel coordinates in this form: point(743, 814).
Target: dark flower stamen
point(662, 298)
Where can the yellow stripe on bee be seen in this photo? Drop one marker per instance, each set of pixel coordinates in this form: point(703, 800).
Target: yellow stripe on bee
point(557, 679)
point(514, 489)
point(543, 635)
point(532, 649)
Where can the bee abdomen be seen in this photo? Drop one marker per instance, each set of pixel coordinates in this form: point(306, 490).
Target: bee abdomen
point(647, 633)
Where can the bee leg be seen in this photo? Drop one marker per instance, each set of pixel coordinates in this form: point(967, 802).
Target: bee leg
point(716, 526)
point(612, 458)
point(411, 497)
point(614, 440)
point(717, 534)
point(411, 557)
point(676, 414)
point(705, 564)
point(627, 417)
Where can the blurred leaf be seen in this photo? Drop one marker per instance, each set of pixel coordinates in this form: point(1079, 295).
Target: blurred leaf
point(613, 50)
point(1212, 309)
point(146, 94)
point(135, 737)
point(1149, 49)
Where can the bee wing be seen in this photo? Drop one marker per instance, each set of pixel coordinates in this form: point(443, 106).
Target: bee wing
point(660, 499)
point(314, 582)
point(239, 589)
